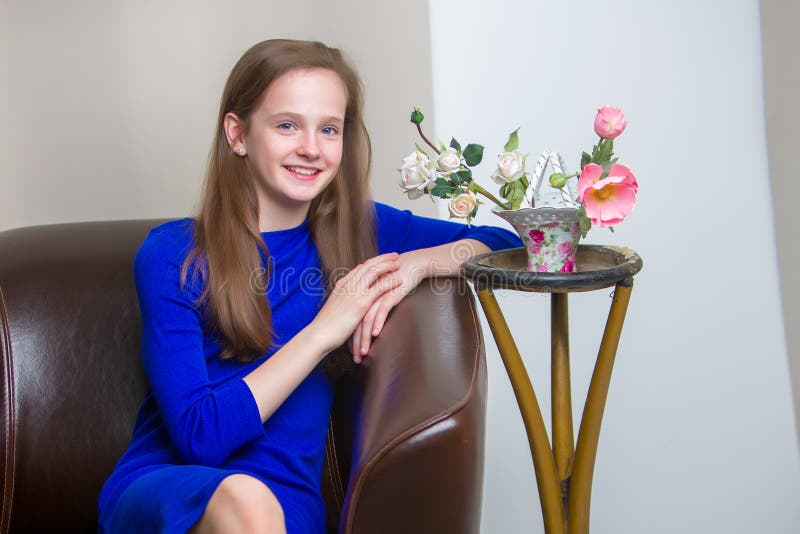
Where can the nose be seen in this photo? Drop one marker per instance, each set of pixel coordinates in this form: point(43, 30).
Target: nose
point(308, 145)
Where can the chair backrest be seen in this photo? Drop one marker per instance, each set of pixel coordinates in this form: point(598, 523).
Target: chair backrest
point(71, 376)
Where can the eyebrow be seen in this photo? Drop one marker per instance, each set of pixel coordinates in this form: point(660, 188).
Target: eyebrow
point(298, 117)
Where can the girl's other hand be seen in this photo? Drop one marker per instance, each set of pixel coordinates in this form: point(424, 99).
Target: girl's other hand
point(352, 297)
point(412, 270)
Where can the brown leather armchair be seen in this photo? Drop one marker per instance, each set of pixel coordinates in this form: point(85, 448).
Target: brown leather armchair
point(405, 448)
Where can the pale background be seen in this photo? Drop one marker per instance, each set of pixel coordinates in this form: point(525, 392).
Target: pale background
point(110, 106)
point(699, 433)
point(109, 109)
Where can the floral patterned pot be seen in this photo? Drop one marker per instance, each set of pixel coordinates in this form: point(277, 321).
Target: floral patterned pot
point(550, 236)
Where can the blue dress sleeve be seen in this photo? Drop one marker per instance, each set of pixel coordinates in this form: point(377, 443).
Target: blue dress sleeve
point(206, 424)
point(402, 231)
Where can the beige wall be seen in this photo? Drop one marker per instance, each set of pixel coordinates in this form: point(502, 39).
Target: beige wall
point(109, 106)
point(781, 45)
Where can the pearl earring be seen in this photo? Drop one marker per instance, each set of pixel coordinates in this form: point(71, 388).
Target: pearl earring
point(239, 151)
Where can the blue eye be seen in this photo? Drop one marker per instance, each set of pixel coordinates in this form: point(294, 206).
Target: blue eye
point(329, 130)
point(285, 126)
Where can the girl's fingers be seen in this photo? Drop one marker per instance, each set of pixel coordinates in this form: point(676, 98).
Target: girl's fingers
point(356, 349)
point(359, 270)
point(380, 316)
point(384, 285)
point(366, 326)
point(373, 272)
point(359, 290)
point(362, 337)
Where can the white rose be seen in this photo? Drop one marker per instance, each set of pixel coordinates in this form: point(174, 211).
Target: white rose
point(449, 160)
point(511, 165)
point(462, 205)
point(498, 177)
point(416, 174)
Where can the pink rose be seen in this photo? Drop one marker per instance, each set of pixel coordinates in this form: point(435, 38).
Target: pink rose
point(564, 249)
point(536, 235)
point(542, 267)
point(536, 248)
point(610, 200)
point(609, 122)
point(568, 267)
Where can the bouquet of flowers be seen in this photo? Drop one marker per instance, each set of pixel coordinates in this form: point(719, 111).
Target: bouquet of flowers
point(605, 193)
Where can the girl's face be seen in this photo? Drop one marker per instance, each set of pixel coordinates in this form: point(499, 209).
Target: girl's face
point(294, 142)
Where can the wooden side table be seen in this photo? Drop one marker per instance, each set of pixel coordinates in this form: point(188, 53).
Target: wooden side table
point(563, 471)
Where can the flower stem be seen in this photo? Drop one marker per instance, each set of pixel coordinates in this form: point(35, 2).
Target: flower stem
point(478, 189)
point(419, 129)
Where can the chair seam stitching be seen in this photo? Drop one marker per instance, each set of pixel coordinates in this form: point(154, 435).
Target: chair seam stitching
point(8, 475)
point(333, 467)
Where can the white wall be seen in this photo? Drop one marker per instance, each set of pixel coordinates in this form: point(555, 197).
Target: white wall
point(698, 434)
point(109, 107)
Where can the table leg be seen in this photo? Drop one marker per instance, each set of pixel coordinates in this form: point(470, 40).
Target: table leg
point(543, 462)
point(561, 394)
point(589, 433)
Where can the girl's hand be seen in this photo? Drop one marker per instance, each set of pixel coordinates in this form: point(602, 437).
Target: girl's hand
point(412, 269)
point(352, 297)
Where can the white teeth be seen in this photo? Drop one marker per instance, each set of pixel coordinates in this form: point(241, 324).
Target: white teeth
point(300, 170)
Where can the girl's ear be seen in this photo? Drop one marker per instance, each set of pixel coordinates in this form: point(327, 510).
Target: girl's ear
point(234, 131)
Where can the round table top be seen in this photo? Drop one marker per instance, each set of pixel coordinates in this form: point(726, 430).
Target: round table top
point(597, 266)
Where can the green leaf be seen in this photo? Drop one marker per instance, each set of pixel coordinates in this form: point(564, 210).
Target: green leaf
point(455, 178)
point(465, 175)
point(607, 166)
point(504, 190)
point(455, 144)
point(417, 117)
point(585, 159)
point(474, 211)
point(420, 149)
point(586, 223)
point(473, 154)
point(605, 150)
point(514, 192)
point(513, 141)
point(443, 191)
point(443, 181)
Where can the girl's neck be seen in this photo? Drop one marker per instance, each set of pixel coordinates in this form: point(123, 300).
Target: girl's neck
point(278, 217)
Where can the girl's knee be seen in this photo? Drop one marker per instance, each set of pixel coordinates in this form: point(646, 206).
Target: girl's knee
point(242, 503)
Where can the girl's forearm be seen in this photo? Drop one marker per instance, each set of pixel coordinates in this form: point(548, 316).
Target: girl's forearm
point(275, 379)
point(445, 260)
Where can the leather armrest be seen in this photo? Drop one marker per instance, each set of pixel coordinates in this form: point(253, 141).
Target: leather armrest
point(418, 414)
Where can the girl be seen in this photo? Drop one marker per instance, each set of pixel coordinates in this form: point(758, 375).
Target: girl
point(287, 259)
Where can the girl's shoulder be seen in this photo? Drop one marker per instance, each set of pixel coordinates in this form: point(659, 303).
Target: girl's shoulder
point(170, 242)
point(384, 211)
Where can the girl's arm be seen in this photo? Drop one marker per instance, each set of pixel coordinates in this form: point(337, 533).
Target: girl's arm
point(207, 421)
point(428, 247)
point(352, 296)
point(415, 266)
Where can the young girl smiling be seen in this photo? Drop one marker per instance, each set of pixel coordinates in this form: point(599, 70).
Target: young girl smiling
point(231, 436)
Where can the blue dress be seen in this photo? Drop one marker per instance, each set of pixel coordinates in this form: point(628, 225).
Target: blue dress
point(199, 422)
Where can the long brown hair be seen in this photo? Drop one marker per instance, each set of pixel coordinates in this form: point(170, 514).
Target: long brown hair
point(227, 238)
